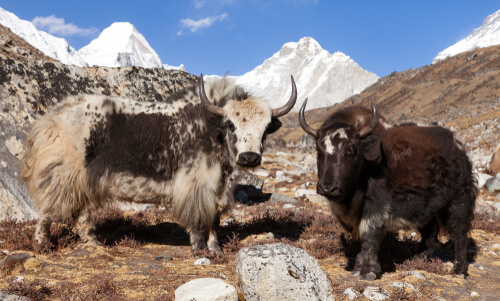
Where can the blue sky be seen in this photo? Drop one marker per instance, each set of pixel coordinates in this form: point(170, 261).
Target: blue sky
point(219, 36)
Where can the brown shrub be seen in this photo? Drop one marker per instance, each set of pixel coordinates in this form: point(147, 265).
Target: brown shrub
point(431, 265)
point(35, 290)
point(486, 223)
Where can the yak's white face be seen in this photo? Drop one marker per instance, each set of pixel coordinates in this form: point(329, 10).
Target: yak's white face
point(246, 122)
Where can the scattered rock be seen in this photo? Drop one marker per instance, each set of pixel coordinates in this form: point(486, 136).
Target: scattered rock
point(163, 257)
point(288, 206)
point(352, 294)
point(280, 272)
point(482, 178)
point(242, 197)
point(474, 294)
point(11, 297)
point(206, 289)
point(278, 197)
point(202, 261)
point(416, 275)
point(493, 185)
point(402, 285)
point(280, 177)
point(12, 261)
point(375, 293)
point(18, 280)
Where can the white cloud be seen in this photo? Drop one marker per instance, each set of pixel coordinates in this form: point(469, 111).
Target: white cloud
point(57, 26)
point(194, 26)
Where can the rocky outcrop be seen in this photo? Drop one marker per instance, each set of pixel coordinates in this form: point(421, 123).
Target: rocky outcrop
point(30, 83)
point(206, 289)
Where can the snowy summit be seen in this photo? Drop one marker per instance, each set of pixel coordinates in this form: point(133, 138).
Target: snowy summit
point(56, 48)
point(323, 77)
point(488, 34)
point(120, 45)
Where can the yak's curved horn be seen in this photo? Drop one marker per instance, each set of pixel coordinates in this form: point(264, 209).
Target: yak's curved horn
point(372, 125)
point(289, 105)
point(206, 103)
point(303, 122)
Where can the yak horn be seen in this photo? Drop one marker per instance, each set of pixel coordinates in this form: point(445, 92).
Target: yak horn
point(372, 125)
point(289, 105)
point(206, 103)
point(303, 122)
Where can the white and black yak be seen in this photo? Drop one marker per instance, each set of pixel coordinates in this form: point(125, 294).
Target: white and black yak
point(381, 178)
point(184, 153)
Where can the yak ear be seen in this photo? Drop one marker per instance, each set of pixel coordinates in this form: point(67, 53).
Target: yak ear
point(273, 126)
point(371, 149)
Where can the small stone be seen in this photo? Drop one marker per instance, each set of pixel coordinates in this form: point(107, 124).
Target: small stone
point(481, 268)
point(163, 257)
point(288, 206)
point(352, 294)
point(474, 294)
point(278, 197)
point(416, 275)
point(495, 246)
point(18, 280)
point(206, 289)
point(4, 296)
point(402, 285)
point(202, 261)
point(375, 293)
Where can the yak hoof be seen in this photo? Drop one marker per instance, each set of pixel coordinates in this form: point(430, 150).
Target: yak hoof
point(355, 273)
point(369, 277)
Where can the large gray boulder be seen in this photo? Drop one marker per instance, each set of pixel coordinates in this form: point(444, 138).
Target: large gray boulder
point(206, 289)
point(280, 272)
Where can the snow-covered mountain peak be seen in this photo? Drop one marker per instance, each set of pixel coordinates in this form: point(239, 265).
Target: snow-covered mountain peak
point(54, 47)
point(121, 45)
point(488, 34)
point(323, 77)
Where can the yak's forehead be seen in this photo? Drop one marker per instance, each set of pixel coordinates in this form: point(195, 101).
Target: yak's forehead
point(335, 140)
point(251, 112)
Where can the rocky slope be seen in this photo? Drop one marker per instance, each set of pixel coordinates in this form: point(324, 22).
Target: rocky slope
point(30, 82)
point(461, 92)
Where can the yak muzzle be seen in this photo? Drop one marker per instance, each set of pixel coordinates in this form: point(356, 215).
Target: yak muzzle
point(329, 188)
point(249, 159)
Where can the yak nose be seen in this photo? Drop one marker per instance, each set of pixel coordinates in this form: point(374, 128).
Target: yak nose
point(329, 188)
point(249, 159)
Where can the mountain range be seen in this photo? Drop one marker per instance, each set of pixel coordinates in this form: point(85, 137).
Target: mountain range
point(325, 78)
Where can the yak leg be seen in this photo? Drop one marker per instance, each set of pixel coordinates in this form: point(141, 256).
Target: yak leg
point(84, 227)
point(458, 225)
point(367, 264)
point(429, 242)
point(213, 241)
point(43, 227)
point(197, 238)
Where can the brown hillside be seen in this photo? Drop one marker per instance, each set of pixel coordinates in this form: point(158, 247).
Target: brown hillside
point(461, 92)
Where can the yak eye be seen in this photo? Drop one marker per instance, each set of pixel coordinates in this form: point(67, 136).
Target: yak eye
point(351, 151)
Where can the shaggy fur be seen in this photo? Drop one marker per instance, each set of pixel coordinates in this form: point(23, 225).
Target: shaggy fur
point(92, 150)
point(398, 177)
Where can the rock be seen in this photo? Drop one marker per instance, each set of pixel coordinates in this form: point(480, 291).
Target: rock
point(375, 293)
point(280, 272)
point(248, 179)
point(474, 294)
point(352, 294)
point(278, 197)
point(206, 289)
point(288, 206)
point(493, 185)
point(402, 285)
point(482, 178)
point(260, 173)
point(32, 264)
point(4, 296)
point(312, 196)
point(242, 197)
point(12, 261)
point(280, 177)
point(163, 257)
point(18, 280)
point(202, 261)
point(416, 275)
